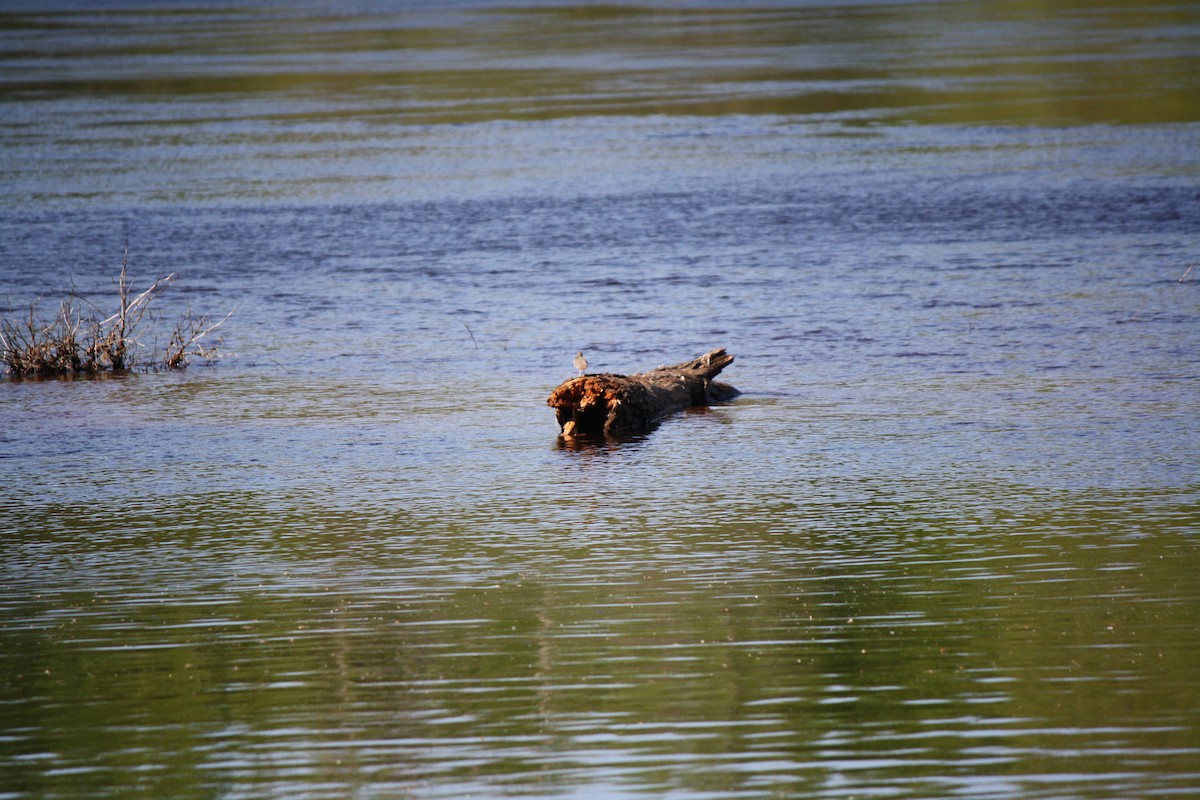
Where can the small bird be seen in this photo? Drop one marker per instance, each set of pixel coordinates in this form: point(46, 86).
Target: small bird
point(580, 363)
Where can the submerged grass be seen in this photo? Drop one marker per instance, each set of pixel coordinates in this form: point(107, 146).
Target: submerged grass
point(80, 341)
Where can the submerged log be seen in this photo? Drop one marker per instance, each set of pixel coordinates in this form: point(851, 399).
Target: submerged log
point(608, 404)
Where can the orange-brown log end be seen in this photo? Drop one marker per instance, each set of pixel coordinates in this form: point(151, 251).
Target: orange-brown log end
point(582, 405)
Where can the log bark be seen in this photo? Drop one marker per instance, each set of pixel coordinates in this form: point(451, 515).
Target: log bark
point(610, 405)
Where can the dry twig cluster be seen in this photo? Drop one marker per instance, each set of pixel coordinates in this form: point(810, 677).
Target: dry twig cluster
point(78, 342)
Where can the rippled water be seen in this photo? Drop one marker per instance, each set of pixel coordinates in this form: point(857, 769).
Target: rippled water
point(944, 544)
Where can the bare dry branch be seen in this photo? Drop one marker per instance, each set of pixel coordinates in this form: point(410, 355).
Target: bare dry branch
point(74, 344)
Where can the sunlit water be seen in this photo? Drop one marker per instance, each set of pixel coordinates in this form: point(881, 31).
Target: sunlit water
point(945, 544)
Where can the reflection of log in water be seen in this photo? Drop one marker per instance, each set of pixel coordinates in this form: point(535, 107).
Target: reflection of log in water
point(614, 404)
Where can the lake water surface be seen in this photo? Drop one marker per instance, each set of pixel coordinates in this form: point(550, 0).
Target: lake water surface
point(946, 543)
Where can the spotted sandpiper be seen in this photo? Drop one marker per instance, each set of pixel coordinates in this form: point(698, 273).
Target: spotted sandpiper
point(580, 363)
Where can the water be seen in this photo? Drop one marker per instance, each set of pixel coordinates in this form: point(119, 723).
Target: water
point(943, 545)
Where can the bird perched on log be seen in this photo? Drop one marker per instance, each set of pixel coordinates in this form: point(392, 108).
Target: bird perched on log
point(611, 405)
point(580, 362)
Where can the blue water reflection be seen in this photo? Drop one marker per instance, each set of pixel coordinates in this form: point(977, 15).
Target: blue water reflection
point(943, 545)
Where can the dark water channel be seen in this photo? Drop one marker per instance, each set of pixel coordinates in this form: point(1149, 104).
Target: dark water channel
point(944, 545)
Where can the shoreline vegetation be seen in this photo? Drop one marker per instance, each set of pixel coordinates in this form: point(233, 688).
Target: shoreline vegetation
point(81, 341)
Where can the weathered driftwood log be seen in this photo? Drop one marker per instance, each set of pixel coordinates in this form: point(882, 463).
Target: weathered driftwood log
point(614, 404)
